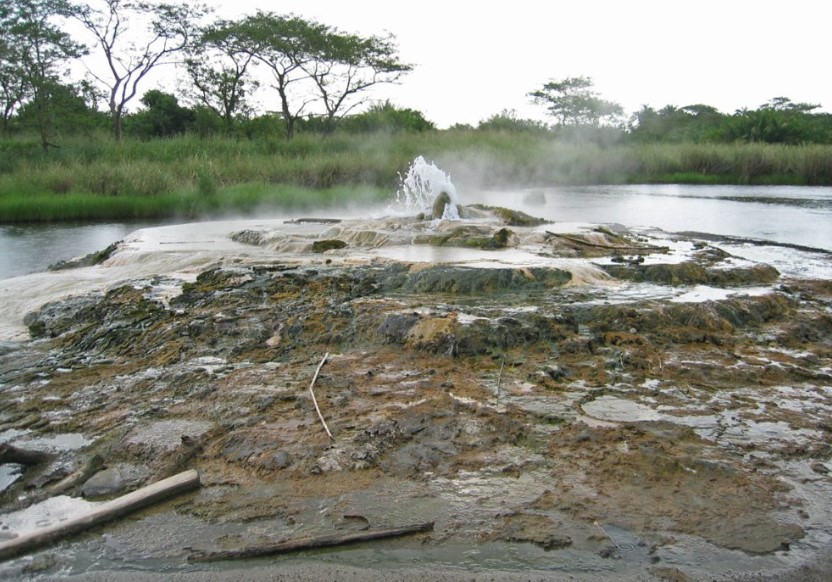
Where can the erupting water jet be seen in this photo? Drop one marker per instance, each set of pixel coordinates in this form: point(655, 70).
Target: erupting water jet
point(428, 191)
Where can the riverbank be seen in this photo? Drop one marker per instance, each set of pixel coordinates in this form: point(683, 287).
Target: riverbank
point(559, 399)
point(93, 178)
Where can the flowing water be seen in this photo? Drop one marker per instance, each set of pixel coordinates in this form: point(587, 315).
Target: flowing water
point(789, 215)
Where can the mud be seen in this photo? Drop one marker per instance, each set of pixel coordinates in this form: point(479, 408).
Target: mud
point(545, 424)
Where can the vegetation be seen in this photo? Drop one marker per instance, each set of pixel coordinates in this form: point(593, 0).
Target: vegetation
point(572, 101)
point(207, 150)
point(189, 176)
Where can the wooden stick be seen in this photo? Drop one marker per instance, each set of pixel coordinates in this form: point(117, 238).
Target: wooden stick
point(500, 377)
point(314, 400)
point(101, 513)
point(90, 467)
point(308, 543)
point(12, 454)
point(86, 471)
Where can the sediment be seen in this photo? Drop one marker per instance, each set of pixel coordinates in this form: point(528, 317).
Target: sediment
point(442, 375)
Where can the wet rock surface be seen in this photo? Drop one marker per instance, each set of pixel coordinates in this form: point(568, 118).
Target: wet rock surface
point(458, 394)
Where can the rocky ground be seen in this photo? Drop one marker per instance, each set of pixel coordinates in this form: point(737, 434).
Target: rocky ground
point(546, 424)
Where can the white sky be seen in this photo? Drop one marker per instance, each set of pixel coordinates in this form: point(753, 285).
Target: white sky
point(474, 59)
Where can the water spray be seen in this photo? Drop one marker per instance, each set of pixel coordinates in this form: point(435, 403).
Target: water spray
point(424, 186)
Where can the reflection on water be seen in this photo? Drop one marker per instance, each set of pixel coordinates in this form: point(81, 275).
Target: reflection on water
point(32, 248)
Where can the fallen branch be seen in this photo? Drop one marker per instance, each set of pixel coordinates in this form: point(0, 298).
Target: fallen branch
point(313, 221)
point(12, 454)
point(308, 543)
point(90, 467)
point(314, 400)
point(101, 513)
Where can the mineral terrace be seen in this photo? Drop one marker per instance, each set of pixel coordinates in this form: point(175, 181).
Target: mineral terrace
point(600, 403)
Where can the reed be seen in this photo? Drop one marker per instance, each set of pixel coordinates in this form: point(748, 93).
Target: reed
point(92, 177)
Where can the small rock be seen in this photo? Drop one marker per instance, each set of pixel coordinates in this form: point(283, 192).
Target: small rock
point(114, 480)
point(281, 460)
point(40, 563)
point(321, 246)
point(556, 372)
point(440, 204)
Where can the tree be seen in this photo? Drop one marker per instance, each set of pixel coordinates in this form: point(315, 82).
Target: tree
point(691, 123)
point(386, 117)
point(12, 82)
point(778, 121)
point(345, 65)
point(161, 117)
point(71, 111)
point(218, 66)
point(508, 121)
point(33, 49)
point(129, 60)
point(572, 102)
point(284, 45)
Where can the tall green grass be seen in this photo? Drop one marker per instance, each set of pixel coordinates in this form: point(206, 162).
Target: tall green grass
point(93, 177)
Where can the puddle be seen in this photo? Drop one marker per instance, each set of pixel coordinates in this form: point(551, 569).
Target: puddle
point(613, 409)
point(702, 293)
point(9, 475)
point(58, 442)
point(53, 510)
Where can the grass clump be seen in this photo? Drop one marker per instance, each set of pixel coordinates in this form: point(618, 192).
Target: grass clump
point(187, 176)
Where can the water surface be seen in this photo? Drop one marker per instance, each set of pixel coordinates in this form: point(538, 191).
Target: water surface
point(796, 215)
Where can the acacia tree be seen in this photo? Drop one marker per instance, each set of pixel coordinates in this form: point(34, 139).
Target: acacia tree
point(218, 67)
point(33, 49)
point(285, 45)
point(572, 102)
point(129, 58)
point(345, 65)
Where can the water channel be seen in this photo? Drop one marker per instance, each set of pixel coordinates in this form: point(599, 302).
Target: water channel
point(789, 215)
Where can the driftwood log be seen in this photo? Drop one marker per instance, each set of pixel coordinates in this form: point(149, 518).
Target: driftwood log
point(12, 454)
point(101, 513)
point(308, 543)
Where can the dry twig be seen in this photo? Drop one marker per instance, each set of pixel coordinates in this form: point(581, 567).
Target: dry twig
point(314, 400)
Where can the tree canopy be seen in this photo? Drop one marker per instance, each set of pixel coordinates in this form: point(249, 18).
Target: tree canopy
point(267, 73)
point(130, 59)
point(33, 48)
point(572, 102)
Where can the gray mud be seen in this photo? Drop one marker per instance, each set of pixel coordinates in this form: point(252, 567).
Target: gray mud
point(552, 424)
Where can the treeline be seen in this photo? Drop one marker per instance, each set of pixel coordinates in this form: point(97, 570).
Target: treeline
point(298, 65)
point(163, 115)
point(313, 77)
point(780, 121)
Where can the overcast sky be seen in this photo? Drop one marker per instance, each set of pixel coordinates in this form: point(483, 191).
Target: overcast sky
point(473, 60)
